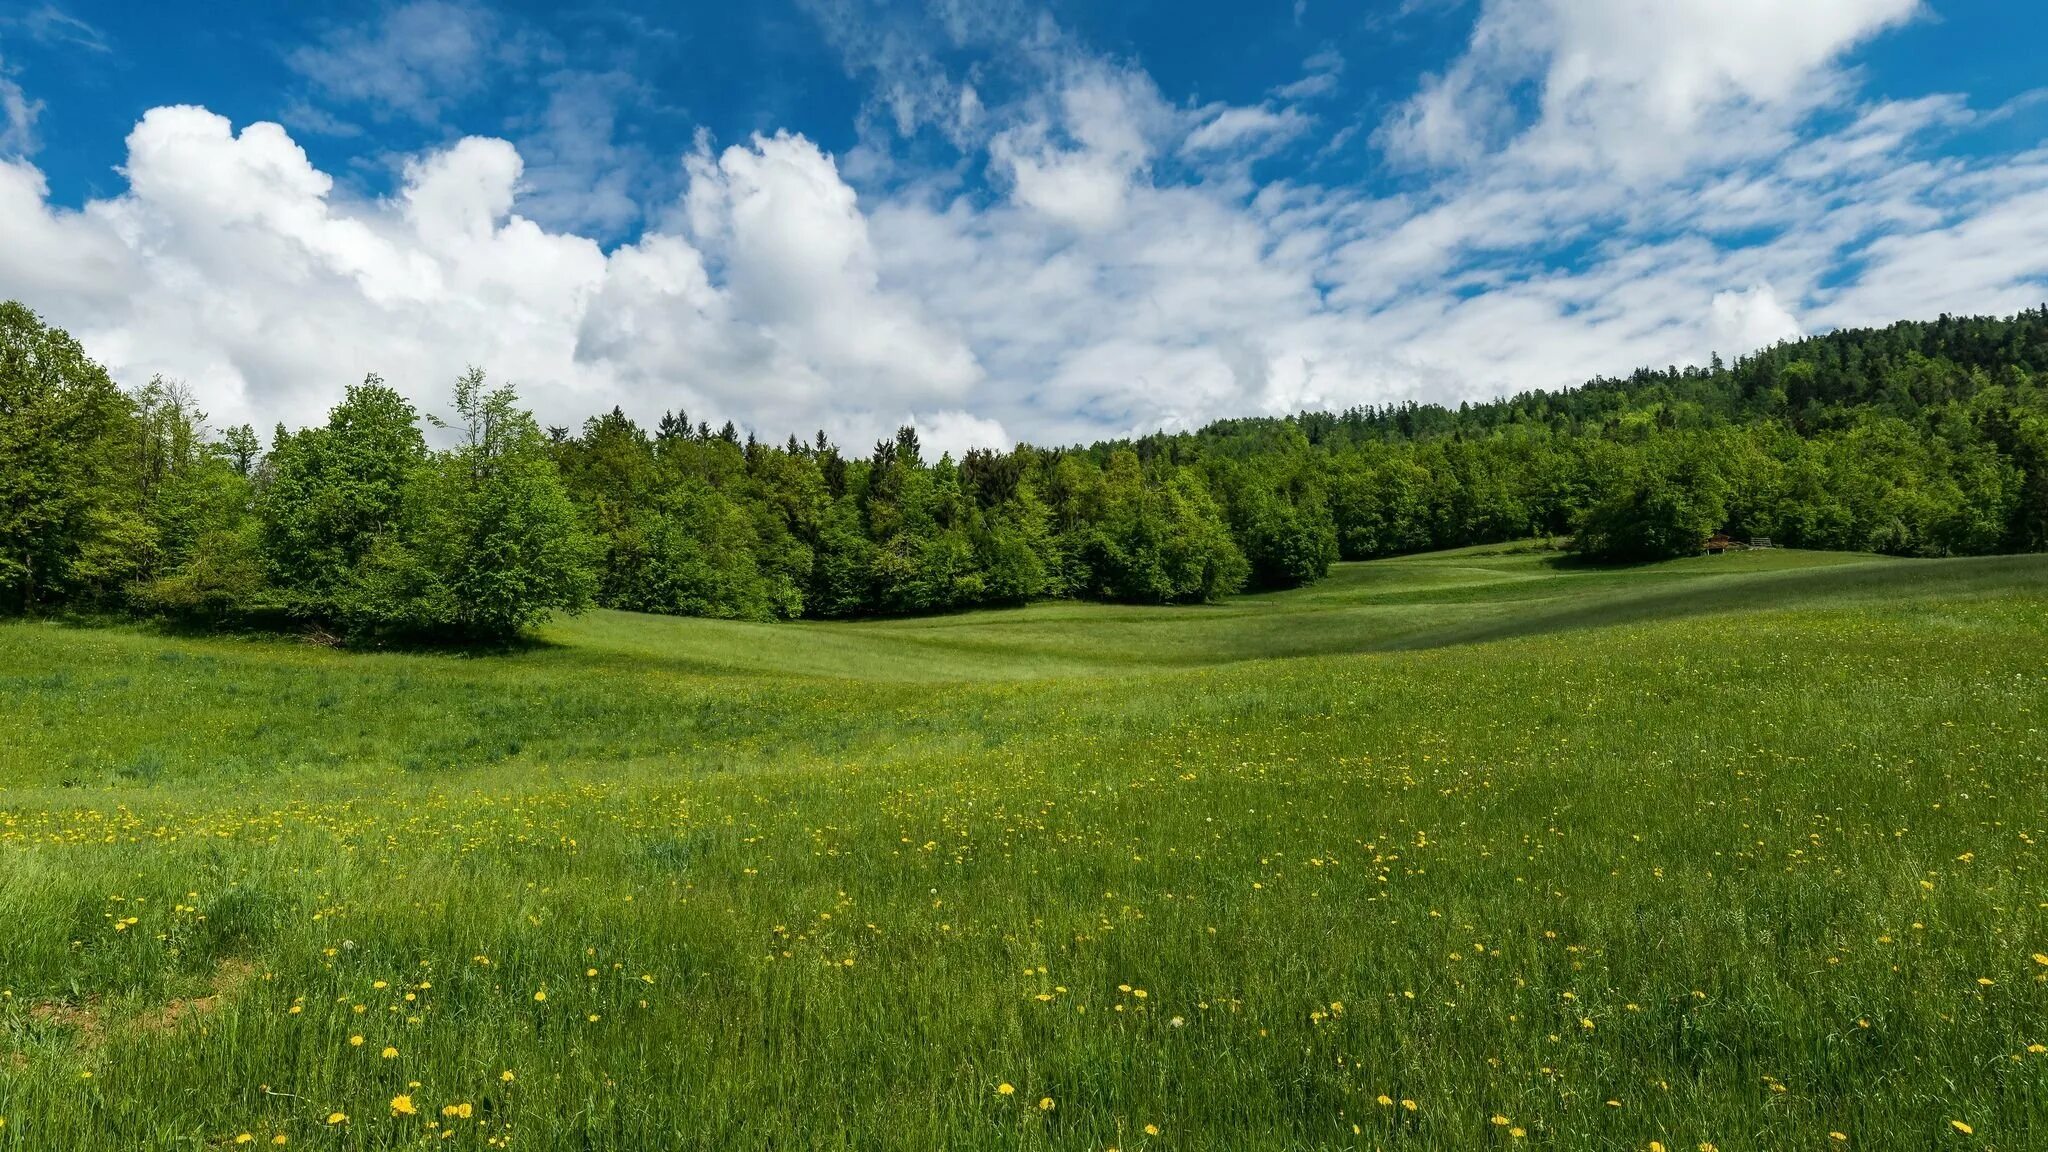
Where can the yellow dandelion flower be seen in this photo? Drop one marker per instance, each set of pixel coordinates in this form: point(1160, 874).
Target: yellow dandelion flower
point(461, 1111)
point(402, 1106)
point(1839, 1137)
point(506, 1076)
point(1006, 1089)
point(355, 1041)
point(1959, 1126)
point(1151, 1129)
point(280, 1138)
point(337, 1117)
point(1500, 1121)
point(1517, 1133)
point(1045, 1104)
point(541, 996)
point(1386, 1101)
point(389, 1053)
point(245, 1138)
point(1409, 1105)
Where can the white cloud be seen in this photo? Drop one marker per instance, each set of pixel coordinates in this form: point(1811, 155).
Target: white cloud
point(17, 117)
point(1125, 271)
point(578, 175)
point(1077, 161)
point(953, 431)
point(49, 24)
point(1320, 76)
point(415, 61)
point(1642, 88)
point(1259, 127)
point(1751, 319)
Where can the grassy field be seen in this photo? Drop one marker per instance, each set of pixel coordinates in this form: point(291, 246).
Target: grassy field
point(1470, 850)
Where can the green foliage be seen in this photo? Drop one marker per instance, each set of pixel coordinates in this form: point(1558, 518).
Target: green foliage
point(486, 542)
point(1673, 502)
point(333, 493)
point(67, 532)
point(1921, 439)
point(109, 499)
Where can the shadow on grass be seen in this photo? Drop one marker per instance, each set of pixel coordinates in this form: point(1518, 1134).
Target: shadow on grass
point(1713, 594)
point(280, 626)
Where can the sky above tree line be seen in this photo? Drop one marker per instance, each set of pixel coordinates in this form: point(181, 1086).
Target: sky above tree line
point(1049, 221)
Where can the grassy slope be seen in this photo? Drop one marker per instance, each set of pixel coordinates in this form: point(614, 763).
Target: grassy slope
point(1731, 842)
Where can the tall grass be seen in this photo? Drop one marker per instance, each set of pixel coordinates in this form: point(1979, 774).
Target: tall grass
point(1460, 852)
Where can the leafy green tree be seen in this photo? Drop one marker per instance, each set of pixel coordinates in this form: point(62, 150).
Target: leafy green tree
point(334, 493)
point(487, 544)
point(1668, 509)
point(68, 532)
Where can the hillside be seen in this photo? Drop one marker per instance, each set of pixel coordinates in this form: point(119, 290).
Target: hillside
point(1740, 850)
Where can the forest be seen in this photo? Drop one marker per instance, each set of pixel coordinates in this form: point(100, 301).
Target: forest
point(1917, 439)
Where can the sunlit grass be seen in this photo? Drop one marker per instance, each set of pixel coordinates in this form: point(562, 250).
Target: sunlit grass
point(1741, 851)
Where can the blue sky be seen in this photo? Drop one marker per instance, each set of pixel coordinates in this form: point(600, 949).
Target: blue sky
point(998, 219)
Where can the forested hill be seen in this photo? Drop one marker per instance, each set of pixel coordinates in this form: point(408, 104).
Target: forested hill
point(1816, 384)
point(1923, 438)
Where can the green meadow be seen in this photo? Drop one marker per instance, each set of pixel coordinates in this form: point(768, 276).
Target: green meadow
point(1478, 849)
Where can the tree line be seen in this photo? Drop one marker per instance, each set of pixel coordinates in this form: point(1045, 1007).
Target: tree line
point(1922, 438)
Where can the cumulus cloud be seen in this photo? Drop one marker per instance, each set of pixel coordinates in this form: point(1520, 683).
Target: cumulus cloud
point(1750, 319)
point(232, 262)
point(1123, 271)
point(798, 325)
